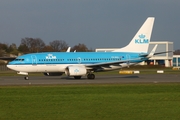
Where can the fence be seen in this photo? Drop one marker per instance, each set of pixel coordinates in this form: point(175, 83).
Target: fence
point(3, 68)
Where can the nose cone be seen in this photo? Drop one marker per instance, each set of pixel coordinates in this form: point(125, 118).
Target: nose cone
point(10, 66)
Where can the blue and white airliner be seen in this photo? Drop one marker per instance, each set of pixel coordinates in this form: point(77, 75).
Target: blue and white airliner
point(78, 64)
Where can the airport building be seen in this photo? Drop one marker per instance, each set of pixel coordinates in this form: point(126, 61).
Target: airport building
point(176, 61)
point(165, 59)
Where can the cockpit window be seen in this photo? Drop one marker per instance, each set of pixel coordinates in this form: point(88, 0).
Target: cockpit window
point(19, 59)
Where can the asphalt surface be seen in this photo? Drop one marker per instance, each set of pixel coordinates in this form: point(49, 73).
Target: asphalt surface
point(105, 79)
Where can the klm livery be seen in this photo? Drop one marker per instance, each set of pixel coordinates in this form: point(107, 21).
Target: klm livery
point(78, 64)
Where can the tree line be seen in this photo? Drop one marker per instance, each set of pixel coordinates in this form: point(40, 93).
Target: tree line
point(34, 45)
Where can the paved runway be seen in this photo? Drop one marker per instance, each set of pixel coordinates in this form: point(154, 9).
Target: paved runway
point(105, 79)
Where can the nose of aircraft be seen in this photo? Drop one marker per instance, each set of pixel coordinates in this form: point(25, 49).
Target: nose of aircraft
point(9, 66)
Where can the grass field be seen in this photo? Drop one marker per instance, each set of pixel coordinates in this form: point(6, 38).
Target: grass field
point(87, 102)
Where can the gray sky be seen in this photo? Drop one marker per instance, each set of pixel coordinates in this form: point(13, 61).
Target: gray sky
point(95, 23)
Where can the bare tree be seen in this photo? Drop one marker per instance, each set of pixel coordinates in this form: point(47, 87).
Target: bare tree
point(2, 53)
point(47, 48)
point(39, 44)
point(3, 49)
point(13, 49)
point(58, 45)
point(80, 48)
point(177, 52)
point(33, 44)
point(23, 48)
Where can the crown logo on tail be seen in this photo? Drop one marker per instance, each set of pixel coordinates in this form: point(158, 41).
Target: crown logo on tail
point(142, 36)
point(142, 39)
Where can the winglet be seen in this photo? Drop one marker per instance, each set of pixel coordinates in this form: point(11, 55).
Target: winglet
point(152, 52)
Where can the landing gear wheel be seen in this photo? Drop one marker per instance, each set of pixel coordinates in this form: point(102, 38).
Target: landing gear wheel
point(91, 76)
point(77, 77)
point(26, 78)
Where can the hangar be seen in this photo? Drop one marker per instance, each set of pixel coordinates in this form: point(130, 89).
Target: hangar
point(165, 59)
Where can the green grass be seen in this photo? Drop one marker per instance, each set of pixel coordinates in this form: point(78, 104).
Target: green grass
point(106, 102)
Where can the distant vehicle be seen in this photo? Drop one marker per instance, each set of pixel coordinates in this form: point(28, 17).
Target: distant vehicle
point(78, 64)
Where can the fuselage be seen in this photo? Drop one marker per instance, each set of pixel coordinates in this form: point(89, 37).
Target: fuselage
point(58, 61)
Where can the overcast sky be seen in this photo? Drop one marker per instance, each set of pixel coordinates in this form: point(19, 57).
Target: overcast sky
point(95, 23)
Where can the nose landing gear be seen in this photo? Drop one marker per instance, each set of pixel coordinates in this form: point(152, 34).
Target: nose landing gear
point(26, 78)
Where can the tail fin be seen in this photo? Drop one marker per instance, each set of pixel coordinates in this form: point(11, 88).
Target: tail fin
point(69, 49)
point(140, 42)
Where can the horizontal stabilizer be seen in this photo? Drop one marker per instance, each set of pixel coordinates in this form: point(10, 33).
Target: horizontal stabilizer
point(162, 52)
point(152, 52)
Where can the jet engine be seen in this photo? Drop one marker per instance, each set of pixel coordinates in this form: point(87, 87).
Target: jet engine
point(75, 71)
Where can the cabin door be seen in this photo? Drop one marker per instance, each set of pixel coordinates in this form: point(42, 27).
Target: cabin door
point(34, 60)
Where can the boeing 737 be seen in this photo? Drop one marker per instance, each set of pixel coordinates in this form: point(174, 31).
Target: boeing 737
point(78, 64)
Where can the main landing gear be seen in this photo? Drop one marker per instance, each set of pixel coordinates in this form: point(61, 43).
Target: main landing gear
point(90, 76)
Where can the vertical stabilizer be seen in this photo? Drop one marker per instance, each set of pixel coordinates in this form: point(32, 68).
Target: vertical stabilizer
point(69, 49)
point(140, 42)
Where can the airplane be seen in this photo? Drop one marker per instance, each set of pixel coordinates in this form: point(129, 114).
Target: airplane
point(78, 64)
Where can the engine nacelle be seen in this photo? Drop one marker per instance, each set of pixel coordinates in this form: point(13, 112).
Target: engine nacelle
point(75, 71)
point(53, 74)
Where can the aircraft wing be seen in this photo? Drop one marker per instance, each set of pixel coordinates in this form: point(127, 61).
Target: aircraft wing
point(108, 64)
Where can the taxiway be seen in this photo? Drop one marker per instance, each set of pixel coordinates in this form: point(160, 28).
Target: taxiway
point(100, 79)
